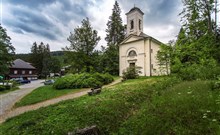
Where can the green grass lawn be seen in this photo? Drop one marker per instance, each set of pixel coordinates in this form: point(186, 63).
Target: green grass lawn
point(43, 93)
point(141, 106)
point(46, 92)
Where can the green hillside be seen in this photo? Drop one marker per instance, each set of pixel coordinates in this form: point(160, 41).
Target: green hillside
point(163, 105)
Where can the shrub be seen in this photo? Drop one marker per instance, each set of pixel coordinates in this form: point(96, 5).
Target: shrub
point(198, 71)
point(2, 87)
point(84, 80)
point(130, 73)
point(215, 85)
point(7, 87)
point(108, 78)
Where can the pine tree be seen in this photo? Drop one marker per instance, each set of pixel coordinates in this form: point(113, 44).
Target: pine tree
point(115, 35)
point(196, 18)
point(181, 38)
point(83, 42)
point(115, 29)
point(40, 58)
point(6, 51)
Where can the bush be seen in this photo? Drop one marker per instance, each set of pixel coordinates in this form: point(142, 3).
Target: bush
point(215, 85)
point(130, 73)
point(84, 80)
point(7, 87)
point(200, 71)
point(108, 78)
point(2, 87)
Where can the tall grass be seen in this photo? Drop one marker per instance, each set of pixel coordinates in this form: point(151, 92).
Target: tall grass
point(140, 106)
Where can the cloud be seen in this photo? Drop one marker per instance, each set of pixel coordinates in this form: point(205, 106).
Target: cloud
point(51, 21)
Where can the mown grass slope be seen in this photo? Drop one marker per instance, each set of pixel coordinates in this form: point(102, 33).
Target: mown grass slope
point(43, 93)
point(140, 106)
point(186, 108)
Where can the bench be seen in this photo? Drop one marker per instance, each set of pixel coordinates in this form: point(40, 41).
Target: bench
point(95, 90)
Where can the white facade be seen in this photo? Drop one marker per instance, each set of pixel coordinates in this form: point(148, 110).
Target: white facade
point(138, 48)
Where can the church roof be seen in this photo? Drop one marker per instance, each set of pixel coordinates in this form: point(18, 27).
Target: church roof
point(18, 63)
point(141, 36)
point(135, 9)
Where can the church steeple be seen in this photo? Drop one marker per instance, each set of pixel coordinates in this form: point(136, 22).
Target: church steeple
point(134, 21)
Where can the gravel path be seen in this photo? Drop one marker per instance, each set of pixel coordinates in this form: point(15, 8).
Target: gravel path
point(20, 110)
point(9, 99)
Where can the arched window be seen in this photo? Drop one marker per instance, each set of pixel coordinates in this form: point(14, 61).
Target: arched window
point(132, 24)
point(132, 53)
point(139, 24)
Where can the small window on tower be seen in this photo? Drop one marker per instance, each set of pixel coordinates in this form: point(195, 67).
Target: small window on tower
point(139, 24)
point(132, 24)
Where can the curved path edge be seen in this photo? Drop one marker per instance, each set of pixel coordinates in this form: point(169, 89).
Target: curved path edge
point(17, 111)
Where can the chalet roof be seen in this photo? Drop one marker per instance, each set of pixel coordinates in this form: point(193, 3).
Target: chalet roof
point(135, 9)
point(18, 63)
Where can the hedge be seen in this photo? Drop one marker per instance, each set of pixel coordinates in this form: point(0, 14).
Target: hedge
point(84, 80)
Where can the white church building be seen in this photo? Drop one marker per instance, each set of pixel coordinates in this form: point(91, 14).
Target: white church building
point(138, 49)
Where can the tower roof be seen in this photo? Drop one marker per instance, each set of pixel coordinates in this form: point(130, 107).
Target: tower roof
point(135, 9)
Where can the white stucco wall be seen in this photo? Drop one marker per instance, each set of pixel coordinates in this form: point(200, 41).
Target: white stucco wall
point(146, 58)
point(155, 67)
point(124, 49)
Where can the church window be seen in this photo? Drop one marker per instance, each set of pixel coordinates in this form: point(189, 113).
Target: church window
point(132, 24)
point(139, 24)
point(132, 53)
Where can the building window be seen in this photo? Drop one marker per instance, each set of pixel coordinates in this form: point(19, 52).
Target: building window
point(15, 72)
point(132, 24)
point(30, 72)
point(23, 71)
point(139, 24)
point(132, 53)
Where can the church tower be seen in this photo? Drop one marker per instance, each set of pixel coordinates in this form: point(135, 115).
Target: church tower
point(134, 21)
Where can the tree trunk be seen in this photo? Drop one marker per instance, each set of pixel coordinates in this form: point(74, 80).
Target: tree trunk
point(209, 23)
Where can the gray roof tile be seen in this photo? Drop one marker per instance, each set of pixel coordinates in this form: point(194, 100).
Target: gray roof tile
point(18, 63)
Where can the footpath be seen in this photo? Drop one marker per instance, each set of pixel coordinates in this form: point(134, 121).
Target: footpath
point(17, 111)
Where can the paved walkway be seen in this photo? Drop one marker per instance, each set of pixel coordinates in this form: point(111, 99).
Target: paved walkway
point(20, 110)
point(9, 99)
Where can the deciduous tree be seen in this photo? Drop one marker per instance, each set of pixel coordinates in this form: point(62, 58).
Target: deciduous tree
point(82, 43)
point(7, 51)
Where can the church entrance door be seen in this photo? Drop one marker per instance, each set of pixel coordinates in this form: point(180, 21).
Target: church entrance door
point(132, 65)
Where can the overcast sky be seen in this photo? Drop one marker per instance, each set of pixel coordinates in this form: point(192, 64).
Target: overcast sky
point(51, 21)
